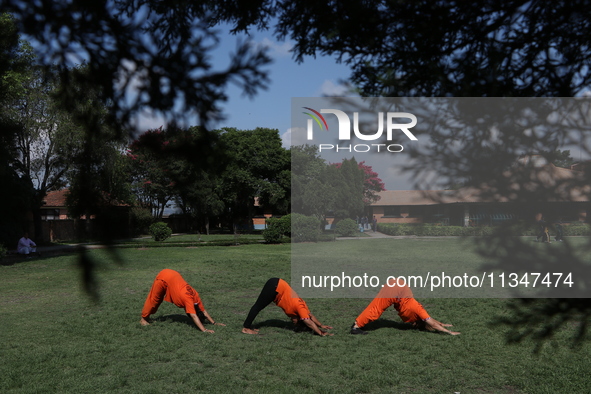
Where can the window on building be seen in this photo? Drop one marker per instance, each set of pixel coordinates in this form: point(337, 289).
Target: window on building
point(392, 212)
point(50, 214)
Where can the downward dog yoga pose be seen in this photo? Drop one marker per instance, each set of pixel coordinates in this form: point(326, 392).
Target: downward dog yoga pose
point(278, 291)
point(170, 286)
point(409, 310)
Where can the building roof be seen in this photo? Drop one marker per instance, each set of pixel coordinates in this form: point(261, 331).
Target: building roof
point(56, 198)
point(530, 176)
point(426, 197)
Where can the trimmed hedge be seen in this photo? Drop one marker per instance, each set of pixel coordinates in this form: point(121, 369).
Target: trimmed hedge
point(457, 231)
point(576, 229)
point(276, 229)
point(160, 231)
point(346, 228)
point(304, 228)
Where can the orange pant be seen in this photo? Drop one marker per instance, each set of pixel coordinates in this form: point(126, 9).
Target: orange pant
point(409, 310)
point(373, 311)
point(155, 297)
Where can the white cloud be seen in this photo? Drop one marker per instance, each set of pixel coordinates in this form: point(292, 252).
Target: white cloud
point(329, 88)
point(148, 120)
point(286, 139)
point(276, 48)
point(294, 136)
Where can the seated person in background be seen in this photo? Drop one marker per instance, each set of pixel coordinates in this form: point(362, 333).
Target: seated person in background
point(26, 245)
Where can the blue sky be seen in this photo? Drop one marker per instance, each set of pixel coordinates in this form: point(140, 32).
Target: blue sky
point(270, 108)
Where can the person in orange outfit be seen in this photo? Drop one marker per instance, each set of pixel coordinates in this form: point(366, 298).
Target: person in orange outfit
point(278, 291)
point(170, 286)
point(410, 310)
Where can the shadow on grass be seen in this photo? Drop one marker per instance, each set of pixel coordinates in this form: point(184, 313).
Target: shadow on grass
point(275, 323)
point(382, 323)
point(176, 318)
point(15, 258)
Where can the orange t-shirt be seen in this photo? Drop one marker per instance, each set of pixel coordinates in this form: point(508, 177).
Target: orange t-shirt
point(179, 292)
point(290, 302)
point(401, 297)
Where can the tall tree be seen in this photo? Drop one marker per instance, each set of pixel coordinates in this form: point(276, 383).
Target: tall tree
point(159, 177)
point(372, 184)
point(151, 178)
point(312, 194)
point(47, 140)
point(17, 192)
point(197, 189)
point(258, 167)
point(97, 178)
point(348, 185)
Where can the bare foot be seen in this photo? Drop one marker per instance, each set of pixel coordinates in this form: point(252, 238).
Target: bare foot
point(144, 322)
point(250, 331)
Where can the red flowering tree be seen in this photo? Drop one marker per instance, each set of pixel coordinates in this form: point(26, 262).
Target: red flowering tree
point(372, 184)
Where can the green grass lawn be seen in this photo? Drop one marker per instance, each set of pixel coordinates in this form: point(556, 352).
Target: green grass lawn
point(53, 338)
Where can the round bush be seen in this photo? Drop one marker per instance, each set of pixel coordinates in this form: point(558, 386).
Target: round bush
point(160, 231)
point(304, 228)
point(346, 228)
point(276, 229)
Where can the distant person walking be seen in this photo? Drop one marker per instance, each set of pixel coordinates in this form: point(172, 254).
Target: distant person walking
point(170, 286)
point(278, 291)
point(559, 230)
point(543, 231)
point(409, 310)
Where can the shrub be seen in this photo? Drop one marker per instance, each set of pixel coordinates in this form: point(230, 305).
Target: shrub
point(326, 237)
point(516, 228)
point(346, 228)
point(304, 228)
point(431, 230)
point(277, 228)
point(141, 219)
point(160, 231)
point(3, 251)
point(576, 229)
